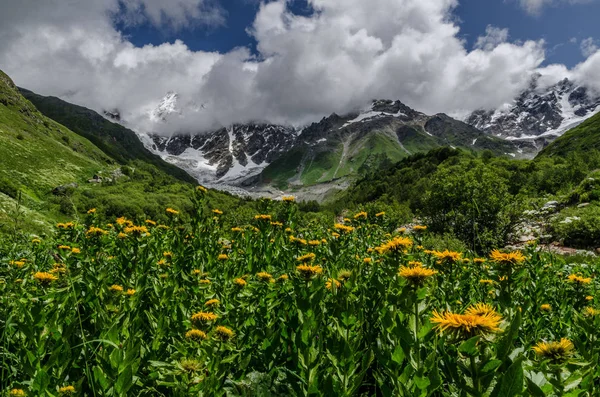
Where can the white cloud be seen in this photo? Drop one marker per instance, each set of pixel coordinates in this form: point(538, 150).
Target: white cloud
point(347, 53)
point(535, 7)
point(493, 37)
point(588, 46)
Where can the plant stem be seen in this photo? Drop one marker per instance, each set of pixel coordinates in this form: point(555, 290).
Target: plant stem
point(475, 377)
point(417, 347)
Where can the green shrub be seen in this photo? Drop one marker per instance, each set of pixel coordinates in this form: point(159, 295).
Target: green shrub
point(578, 227)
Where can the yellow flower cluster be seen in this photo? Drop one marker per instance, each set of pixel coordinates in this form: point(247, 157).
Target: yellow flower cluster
point(507, 259)
point(44, 277)
point(171, 211)
point(201, 188)
point(136, 230)
point(217, 211)
point(262, 217)
point(212, 302)
point(447, 256)
point(265, 277)
point(68, 225)
point(361, 215)
point(203, 317)
point(240, 282)
point(419, 228)
point(95, 232)
point(343, 228)
point(66, 391)
point(222, 257)
point(479, 319)
point(308, 271)
point(300, 241)
point(223, 333)
point(332, 282)
point(397, 244)
point(306, 258)
point(196, 334)
point(556, 352)
point(416, 275)
point(579, 280)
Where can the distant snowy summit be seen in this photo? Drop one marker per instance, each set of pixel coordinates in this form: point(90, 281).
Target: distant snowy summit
point(541, 114)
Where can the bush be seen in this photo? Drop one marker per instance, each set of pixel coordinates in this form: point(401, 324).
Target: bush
point(9, 188)
point(578, 227)
point(471, 201)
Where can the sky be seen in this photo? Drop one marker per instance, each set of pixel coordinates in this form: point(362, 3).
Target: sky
point(293, 61)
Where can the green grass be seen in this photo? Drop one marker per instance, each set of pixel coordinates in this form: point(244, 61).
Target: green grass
point(584, 137)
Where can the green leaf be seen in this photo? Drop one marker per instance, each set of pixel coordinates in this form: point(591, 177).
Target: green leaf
point(490, 366)
point(469, 347)
point(398, 355)
point(512, 380)
point(534, 390)
point(124, 381)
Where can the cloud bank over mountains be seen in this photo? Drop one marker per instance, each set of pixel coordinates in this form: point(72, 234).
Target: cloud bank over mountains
point(336, 60)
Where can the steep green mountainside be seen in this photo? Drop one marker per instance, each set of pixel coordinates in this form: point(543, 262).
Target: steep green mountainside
point(50, 174)
point(38, 153)
point(584, 137)
point(118, 142)
point(353, 146)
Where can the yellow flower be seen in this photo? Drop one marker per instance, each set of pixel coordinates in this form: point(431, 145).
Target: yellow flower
point(130, 292)
point(331, 282)
point(196, 334)
point(171, 211)
point(237, 229)
point(314, 243)
point(240, 282)
point(486, 281)
point(479, 260)
point(466, 325)
point(288, 199)
point(91, 211)
point(95, 232)
point(367, 260)
point(168, 254)
point(306, 258)
point(222, 257)
point(283, 277)
point(343, 228)
point(121, 221)
point(201, 188)
point(161, 262)
point(447, 256)
point(336, 235)
point(64, 247)
point(44, 277)
point(579, 280)
point(36, 241)
point(66, 390)
point(480, 309)
point(190, 365)
point(122, 236)
point(309, 272)
point(557, 352)
point(591, 312)
point(360, 215)
point(589, 298)
point(262, 217)
point(212, 302)
point(17, 393)
point(204, 281)
point(344, 275)
point(150, 222)
point(17, 263)
point(196, 272)
point(137, 230)
point(163, 227)
point(546, 307)
point(419, 228)
point(203, 317)
point(217, 211)
point(414, 263)
point(416, 275)
point(75, 250)
point(510, 258)
point(397, 244)
point(68, 225)
point(115, 288)
point(223, 333)
point(264, 276)
point(380, 214)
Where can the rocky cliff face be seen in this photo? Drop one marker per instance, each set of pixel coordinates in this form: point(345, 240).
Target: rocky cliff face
point(228, 154)
point(539, 114)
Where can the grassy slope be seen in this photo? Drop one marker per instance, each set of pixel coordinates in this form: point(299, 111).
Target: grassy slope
point(584, 137)
point(115, 140)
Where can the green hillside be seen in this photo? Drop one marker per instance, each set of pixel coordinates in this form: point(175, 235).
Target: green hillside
point(118, 142)
point(49, 174)
point(333, 151)
point(584, 137)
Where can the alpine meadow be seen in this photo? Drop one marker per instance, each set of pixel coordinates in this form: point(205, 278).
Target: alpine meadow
point(393, 198)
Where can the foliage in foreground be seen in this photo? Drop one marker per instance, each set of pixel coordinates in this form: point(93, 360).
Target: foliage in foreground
point(272, 308)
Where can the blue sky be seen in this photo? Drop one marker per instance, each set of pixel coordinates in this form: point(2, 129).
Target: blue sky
point(558, 25)
point(311, 63)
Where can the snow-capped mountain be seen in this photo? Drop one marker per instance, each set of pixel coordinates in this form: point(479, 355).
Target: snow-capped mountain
point(229, 155)
point(167, 106)
point(539, 114)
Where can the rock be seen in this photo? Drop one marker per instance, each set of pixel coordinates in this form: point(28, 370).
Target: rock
point(583, 205)
point(598, 251)
point(551, 204)
point(63, 189)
